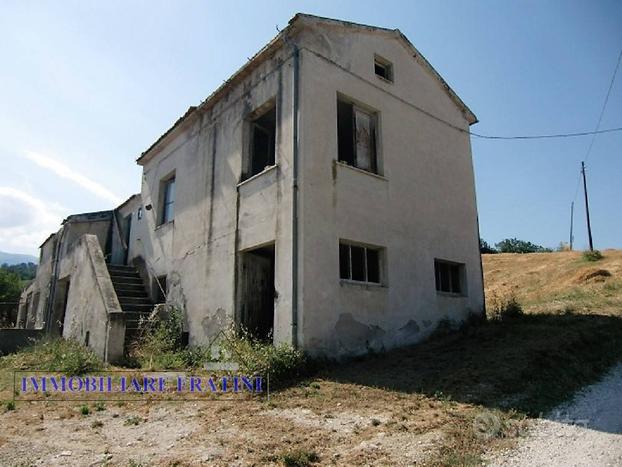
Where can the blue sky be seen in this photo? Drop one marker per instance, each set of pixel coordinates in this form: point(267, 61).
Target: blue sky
point(85, 87)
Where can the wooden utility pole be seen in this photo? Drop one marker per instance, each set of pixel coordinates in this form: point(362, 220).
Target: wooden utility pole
point(587, 208)
point(571, 222)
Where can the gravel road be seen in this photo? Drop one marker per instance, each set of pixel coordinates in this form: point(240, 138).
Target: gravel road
point(584, 432)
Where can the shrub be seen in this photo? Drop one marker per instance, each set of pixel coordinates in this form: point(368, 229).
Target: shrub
point(10, 405)
point(299, 458)
point(281, 362)
point(100, 406)
point(592, 255)
point(504, 307)
point(133, 420)
point(159, 345)
point(56, 355)
point(84, 410)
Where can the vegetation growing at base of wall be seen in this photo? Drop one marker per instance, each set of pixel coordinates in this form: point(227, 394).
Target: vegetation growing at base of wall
point(160, 347)
point(280, 362)
point(54, 355)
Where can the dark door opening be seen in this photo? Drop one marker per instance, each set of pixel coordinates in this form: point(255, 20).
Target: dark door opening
point(60, 306)
point(257, 292)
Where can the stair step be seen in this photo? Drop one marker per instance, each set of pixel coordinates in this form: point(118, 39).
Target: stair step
point(146, 308)
point(141, 300)
point(123, 295)
point(122, 276)
point(121, 267)
point(126, 280)
point(122, 288)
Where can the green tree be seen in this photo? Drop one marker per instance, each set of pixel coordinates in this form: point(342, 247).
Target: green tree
point(514, 245)
point(25, 271)
point(485, 248)
point(10, 289)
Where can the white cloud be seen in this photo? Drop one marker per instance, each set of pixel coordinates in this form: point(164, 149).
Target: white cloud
point(25, 220)
point(63, 171)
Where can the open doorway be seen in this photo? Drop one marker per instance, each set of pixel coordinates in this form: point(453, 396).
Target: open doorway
point(61, 297)
point(257, 292)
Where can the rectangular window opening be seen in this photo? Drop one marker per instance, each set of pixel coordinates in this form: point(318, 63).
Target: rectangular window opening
point(262, 142)
point(356, 133)
point(383, 68)
point(359, 263)
point(449, 277)
point(167, 209)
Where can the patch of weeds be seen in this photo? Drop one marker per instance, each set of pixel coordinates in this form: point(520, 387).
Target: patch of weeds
point(160, 346)
point(504, 307)
point(375, 422)
point(97, 424)
point(84, 410)
point(58, 355)
point(280, 362)
point(299, 458)
point(9, 405)
point(593, 255)
point(100, 406)
point(133, 420)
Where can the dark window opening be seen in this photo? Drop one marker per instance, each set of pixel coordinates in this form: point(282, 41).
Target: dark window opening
point(358, 263)
point(383, 68)
point(263, 142)
point(448, 276)
point(256, 310)
point(167, 187)
point(356, 136)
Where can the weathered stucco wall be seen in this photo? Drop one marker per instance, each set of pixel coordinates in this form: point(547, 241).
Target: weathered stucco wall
point(421, 206)
point(29, 315)
point(92, 312)
point(197, 251)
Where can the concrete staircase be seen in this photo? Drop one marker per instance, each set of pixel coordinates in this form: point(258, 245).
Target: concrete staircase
point(132, 296)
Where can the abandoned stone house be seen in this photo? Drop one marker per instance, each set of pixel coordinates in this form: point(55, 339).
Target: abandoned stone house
point(323, 196)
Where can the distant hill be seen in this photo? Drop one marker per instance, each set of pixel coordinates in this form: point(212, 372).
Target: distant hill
point(16, 258)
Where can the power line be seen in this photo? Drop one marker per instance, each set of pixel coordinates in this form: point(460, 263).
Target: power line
point(447, 123)
point(558, 135)
point(600, 119)
point(602, 111)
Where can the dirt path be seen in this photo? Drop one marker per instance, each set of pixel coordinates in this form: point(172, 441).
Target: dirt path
point(585, 432)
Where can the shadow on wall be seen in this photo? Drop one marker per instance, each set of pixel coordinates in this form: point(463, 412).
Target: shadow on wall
point(530, 363)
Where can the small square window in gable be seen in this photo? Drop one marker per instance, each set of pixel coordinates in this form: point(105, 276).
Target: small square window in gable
point(383, 68)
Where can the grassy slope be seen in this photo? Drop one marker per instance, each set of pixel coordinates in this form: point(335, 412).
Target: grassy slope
point(553, 282)
point(511, 369)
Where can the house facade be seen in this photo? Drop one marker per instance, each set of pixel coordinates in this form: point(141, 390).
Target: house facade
point(323, 196)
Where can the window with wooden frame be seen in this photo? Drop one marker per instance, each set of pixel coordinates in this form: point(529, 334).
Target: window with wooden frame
point(357, 138)
point(167, 196)
point(359, 263)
